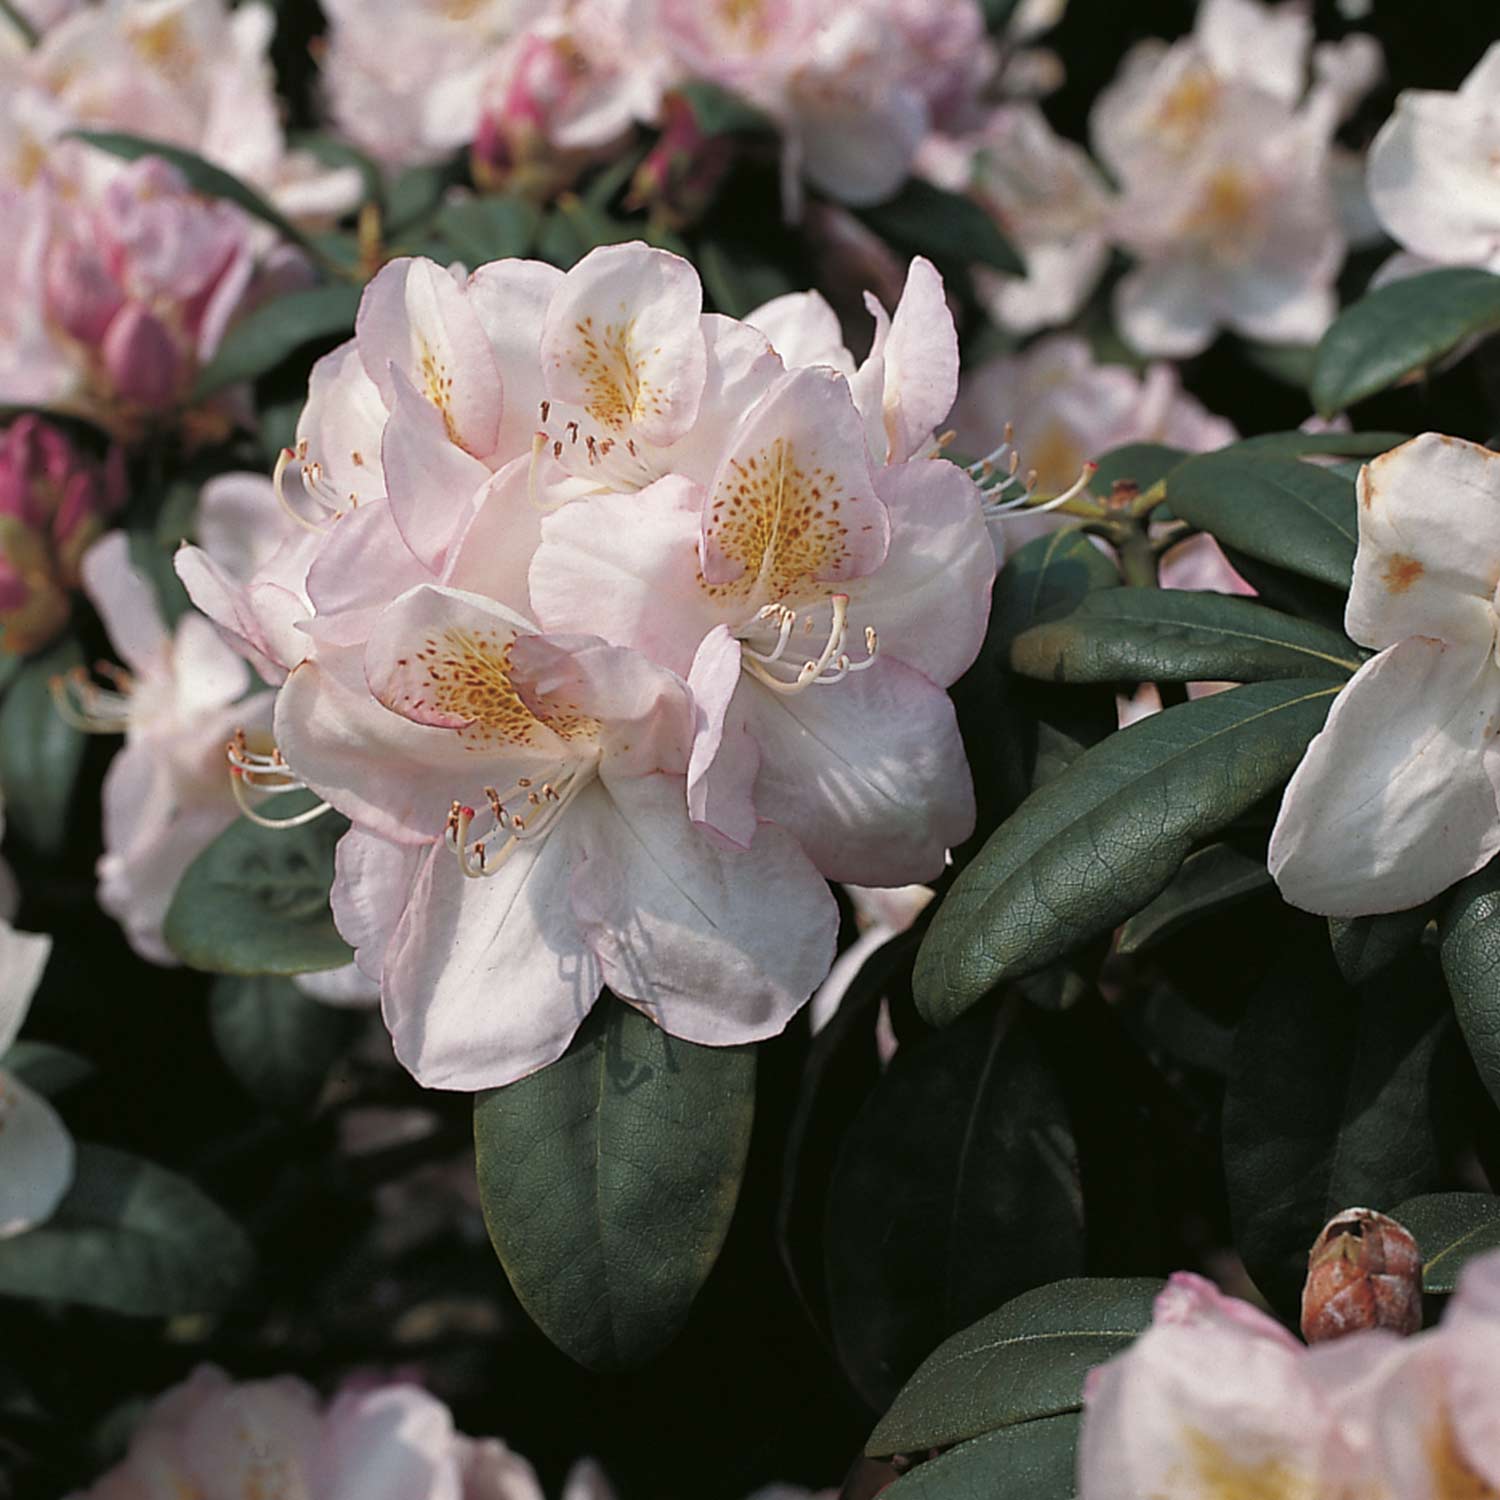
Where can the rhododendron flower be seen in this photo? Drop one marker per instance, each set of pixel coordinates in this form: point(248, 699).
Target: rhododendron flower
point(1431, 170)
point(523, 840)
point(219, 1439)
point(166, 794)
point(1396, 798)
point(194, 73)
point(1222, 153)
point(36, 1151)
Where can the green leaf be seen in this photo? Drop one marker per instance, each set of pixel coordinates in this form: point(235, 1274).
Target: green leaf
point(719, 111)
point(264, 337)
point(735, 280)
point(1292, 514)
point(256, 900)
point(1366, 946)
point(203, 177)
point(47, 1069)
point(1026, 1360)
point(277, 1041)
point(1093, 846)
point(1333, 1099)
point(485, 229)
point(609, 1178)
point(1178, 635)
point(1141, 464)
point(40, 752)
point(1034, 1459)
point(955, 1189)
point(1289, 593)
point(947, 226)
point(1209, 880)
point(1298, 444)
point(1469, 944)
point(1291, 364)
point(1401, 328)
point(130, 1237)
point(1450, 1230)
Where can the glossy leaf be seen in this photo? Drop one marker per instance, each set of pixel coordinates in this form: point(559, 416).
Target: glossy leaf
point(947, 226)
point(1034, 1459)
point(955, 1190)
point(1469, 942)
point(1334, 1099)
point(256, 900)
point(1140, 464)
point(40, 752)
point(1209, 880)
point(609, 1178)
point(1450, 1230)
point(1093, 846)
point(1400, 328)
point(277, 1041)
point(1366, 946)
point(203, 177)
point(1298, 443)
point(264, 337)
point(1024, 1361)
point(1178, 635)
point(485, 229)
point(1292, 514)
point(130, 1237)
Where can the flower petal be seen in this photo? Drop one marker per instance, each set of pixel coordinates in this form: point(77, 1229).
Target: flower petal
point(340, 428)
point(921, 362)
point(716, 947)
point(23, 957)
point(126, 603)
point(372, 880)
point(803, 330)
point(1429, 543)
point(510, 299)
point(1393, 801)
point(36, 1157)
point(725, 759)
point(393, 1443)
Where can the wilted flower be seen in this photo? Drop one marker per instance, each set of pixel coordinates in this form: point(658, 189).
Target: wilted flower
point(1364, 1271)
point(1396, 799)
point(54, 502)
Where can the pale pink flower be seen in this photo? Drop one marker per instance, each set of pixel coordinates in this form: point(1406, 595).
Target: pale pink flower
point(1222, 152)
point(219, 1439)
point(194, 73)
point(36, 1151)
point(1431, 174)
point(1396, 798)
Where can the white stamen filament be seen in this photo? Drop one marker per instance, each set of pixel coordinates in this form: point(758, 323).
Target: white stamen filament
point(87, 706)
point(617, 463)
point(523, 813)
point(313, 482)
point(268, 775)
point(832, 664)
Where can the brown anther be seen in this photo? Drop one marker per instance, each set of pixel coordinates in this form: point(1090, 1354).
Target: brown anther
point(1122, 495)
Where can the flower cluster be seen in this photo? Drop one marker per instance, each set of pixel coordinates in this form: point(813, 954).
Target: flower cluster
point(614, 628)
point(1217, 1398)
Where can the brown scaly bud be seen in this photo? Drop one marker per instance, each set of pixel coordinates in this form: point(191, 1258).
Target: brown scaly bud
point(1364, 1271)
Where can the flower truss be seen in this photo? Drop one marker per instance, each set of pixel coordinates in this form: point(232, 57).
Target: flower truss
point(648, 633)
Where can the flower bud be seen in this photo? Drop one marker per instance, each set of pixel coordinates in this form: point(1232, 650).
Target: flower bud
point(1364, 1271)
point(532, 87)
point(142, 360)
point(54, 503)
point(683, 170)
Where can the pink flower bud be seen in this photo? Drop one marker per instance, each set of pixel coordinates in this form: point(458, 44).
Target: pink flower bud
point(1364, 1271)
point(82, 297)
point(141, 359)
point(683, 170)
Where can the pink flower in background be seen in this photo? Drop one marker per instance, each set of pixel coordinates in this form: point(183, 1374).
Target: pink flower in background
point(54, 502)
point(1222, 153)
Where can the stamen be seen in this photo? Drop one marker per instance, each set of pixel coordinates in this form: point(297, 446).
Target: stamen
point(544, 804)
point(86, 706)
point(278, 482)
point(832, 665)
point(267, 774)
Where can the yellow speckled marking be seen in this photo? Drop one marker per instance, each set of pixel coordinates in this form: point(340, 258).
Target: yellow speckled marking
point(617, 392)
point(437, 385)
point(1218, 1475)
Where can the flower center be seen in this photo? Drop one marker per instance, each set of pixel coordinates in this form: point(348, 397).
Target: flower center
point(584, 448)
point(769, 663)
point(256, 776)
point(315, 482)
point(524, 813)
point(1003, 489)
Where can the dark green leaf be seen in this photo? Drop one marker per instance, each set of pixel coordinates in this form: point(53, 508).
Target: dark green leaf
point(263, 338)
point(1209, 879)
point(1334, 1099)
point(1026, 1360)
point(1289, 593)
point(1450, 1230)
point(1366, 946)
point(256, 900)
point(1093, 846)
point(133, 1238)
point(203, 177)
point(947, 226)
point(1470, 949)
point(415, 194)
point(1291, 364)
point(955, 1189)
point(608, 1180)
point(1298, 444)
point(1140, 464)
point(1292, 514)
point(737, 282)
point(1178, 635)
point(485, 229)
point(48, 1069)
point(1034, 1459)
point(40, 752)
point(1400, 328)
point(277, 1041)
point(717, 111)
